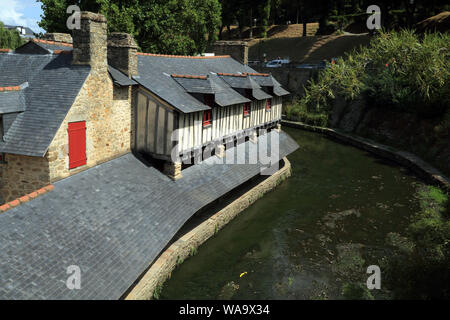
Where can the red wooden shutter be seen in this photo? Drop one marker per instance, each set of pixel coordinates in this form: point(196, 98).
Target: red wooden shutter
point(77, 144)
point(268, 104)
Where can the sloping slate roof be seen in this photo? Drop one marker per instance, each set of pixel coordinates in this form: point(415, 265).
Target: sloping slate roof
point(279, 91)
point(264, 81)
point(224, 94)
point(260, 94)
point(111, 220)
point(120, 78)
point(195, 85)
point(240, 82)
point(155, 71)
point(53, 86)
point(12, 101)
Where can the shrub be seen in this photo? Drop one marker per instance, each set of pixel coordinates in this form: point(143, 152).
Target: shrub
point(398, 70)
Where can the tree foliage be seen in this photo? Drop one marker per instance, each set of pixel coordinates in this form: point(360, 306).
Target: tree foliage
point(9, 39)
point(158, 26)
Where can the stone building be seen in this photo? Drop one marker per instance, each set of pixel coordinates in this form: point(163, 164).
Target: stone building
point(68, 106)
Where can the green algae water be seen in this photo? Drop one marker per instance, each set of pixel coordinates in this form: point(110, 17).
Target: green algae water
point(309, 238)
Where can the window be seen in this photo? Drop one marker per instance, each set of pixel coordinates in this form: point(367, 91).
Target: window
point(209, 101)
point(268, 104)
point(207, 118)
point(2, 158)
point(246, 109)
point(77, 144)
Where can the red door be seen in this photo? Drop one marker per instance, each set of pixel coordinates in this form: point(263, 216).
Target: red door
point(77, 144)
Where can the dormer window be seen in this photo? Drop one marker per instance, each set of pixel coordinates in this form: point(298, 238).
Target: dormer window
point(209, 100)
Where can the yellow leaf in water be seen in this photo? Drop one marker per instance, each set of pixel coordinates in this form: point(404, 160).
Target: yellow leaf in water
point(243, 274)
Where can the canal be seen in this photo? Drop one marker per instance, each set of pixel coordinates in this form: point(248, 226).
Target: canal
point(310, 237)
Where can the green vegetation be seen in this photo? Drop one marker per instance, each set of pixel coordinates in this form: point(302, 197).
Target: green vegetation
point(399, 70)
point(423, 272)
point(158, 26)
point(297, 111)
point(9, 39)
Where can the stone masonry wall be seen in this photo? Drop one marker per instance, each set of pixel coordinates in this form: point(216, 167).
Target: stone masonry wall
point(107, 112)
point(22, 175)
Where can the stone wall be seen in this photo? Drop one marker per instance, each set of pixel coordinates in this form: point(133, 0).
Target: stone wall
point(292, 79)
point(22, 175)
point(122, 51)
point(238, 50)
point(107, 112)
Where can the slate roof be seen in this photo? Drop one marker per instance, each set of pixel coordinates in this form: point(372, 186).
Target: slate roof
point(195, 85)
point(53, 86)
point(120, 78)
point(155, 75)
point(112, 221)
point(12, 101)
point(38, 46)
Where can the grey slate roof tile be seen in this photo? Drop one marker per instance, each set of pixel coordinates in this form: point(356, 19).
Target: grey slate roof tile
point(53, 86)
point(113, 234)
point(120, 78)
point(155, 71)
point(12, 101)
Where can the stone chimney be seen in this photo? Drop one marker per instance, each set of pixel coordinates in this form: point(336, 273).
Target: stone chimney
point(58, 37)
point(238, 50)
point(89, 42)
point(122, 53)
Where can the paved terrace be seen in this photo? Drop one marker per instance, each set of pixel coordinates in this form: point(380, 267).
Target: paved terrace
point(111, 220)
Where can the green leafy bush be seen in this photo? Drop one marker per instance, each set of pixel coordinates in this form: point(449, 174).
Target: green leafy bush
point(297, 111)
point(398, 70)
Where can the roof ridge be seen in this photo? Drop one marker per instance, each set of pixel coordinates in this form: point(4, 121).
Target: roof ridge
point(243, 75)
point(180, 56)
point(10, 88)
point(62, 51)
point(187, 76)
point(257, 74)
point(64, 44)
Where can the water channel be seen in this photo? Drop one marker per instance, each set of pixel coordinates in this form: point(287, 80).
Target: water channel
point(306, 239)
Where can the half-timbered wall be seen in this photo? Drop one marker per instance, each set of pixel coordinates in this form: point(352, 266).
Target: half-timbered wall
point(154, 125)
point(225, 122)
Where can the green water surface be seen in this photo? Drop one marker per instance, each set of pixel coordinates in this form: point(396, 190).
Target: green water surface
point(315, 232)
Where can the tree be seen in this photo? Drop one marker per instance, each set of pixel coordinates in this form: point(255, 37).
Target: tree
point(9, 39)
point(158, 26)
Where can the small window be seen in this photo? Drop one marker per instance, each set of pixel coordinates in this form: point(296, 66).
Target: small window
point(207, 118)
point(268, 104)
point(247, 109)
point(2, 158)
